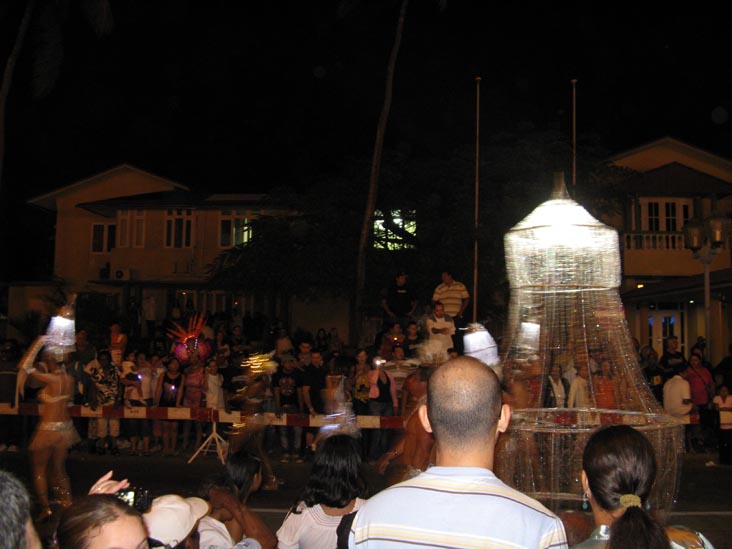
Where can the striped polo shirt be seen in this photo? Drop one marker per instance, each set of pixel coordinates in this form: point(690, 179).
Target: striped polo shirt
point(451, 296)
point(455, 508)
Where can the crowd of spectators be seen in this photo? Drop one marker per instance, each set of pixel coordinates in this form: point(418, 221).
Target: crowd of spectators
point(693, 387)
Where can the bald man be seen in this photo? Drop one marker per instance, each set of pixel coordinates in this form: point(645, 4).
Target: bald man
point(459, 503)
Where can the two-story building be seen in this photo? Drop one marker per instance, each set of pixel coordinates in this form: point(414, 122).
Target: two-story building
point(663, 281)
point(139, 244)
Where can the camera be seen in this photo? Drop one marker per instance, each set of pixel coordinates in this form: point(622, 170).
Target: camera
point(138, 498)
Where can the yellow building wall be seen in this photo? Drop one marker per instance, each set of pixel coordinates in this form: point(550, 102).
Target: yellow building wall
point(74, 261)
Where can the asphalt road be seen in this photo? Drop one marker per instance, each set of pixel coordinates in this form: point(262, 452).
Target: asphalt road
point(704, 501)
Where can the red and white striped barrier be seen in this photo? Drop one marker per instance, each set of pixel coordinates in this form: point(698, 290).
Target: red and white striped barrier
point(207, 415)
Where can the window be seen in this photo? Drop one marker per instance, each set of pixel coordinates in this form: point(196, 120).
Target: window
point(385, 238)
point(653, 220)
point(103, 238)
point(234, 228)
point(670, 216)
point(179, 228)
point(131, 225)
point(665, 214)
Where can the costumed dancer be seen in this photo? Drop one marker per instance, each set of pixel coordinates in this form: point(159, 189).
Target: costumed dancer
point(254, 381)
point(55, 432)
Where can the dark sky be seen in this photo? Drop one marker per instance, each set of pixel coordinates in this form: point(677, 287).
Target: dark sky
point(246, 95)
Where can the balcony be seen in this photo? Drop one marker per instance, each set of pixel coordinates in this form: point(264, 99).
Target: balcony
point(653, 241)
point(663, 254)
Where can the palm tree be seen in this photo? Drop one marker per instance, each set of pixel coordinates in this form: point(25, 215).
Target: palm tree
point(48, 54)
point(375, 169)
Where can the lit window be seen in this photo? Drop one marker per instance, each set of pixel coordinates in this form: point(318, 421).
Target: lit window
point(104, 236)
point(235, 228)
point(179, 228)
point(386, 238)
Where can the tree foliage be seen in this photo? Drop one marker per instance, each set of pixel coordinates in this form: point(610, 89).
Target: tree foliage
point(313, 252)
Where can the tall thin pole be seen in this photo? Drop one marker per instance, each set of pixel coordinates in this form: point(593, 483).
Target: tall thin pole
point(477, 196)
point(574, 134)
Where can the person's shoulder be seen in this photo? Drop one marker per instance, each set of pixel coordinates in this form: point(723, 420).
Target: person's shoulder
point(682, 537)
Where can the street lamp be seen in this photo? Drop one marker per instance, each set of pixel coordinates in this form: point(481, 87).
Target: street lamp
point(705, 239)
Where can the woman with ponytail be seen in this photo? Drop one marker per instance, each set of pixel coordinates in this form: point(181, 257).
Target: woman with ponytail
point(618, 472)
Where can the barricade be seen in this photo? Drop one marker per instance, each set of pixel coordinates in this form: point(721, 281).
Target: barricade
point(206, 415)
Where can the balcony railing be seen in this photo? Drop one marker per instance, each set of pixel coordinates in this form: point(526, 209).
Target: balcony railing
point(653, 241)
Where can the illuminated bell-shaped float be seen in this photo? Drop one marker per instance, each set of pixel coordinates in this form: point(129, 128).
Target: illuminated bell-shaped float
point(566, 318)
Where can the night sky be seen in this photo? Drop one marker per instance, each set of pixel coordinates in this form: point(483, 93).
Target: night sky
point(247, 96)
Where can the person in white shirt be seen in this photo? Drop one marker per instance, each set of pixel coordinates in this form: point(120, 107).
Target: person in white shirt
point(440, 327)
point(579, 391)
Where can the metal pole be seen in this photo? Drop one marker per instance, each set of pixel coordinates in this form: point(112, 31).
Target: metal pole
point(708, 306)
point(477, 195)
point(574, 134)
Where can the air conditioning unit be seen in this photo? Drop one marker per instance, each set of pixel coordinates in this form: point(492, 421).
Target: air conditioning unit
point(122, 274)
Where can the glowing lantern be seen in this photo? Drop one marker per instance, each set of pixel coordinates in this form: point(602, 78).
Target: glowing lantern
point(566, 316)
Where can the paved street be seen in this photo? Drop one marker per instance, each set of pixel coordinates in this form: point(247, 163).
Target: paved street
point(704, 501)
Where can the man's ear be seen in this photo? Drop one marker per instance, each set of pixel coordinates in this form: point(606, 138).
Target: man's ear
point(422, 412)
point(585, 484)
point(504, 419)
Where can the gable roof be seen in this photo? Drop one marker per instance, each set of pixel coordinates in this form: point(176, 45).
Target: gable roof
point(668, 150)
point(48, 200)
point(676, 179)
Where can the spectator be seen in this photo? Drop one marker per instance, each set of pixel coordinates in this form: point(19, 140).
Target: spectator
point(168, 394)
point(334, 489)
point(193, 392)
point(10, 425)
point(556, 389)
point(723, 372)
point(108, 390)
point(244, 472)
point(459, 502)
point(399, 301)
point(654, 374)
point(382, 402)
point(214, 385)
point(172, 521)
point(139, 394)
point(360, 394)
point(455, 297)
point(672, 360)
point(287, 386)
point(15, 520)
point(117, 344)
point(579, 391)
point(723, 405)
point(314, 382)
point(702, 393)
point(322, 341)
point(440, 327)
point(412, 340)
point(677, 402)
point(618, 471)
point(604, 385)
point(101, 521)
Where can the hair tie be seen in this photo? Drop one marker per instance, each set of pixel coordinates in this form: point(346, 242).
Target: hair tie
point(629, 500)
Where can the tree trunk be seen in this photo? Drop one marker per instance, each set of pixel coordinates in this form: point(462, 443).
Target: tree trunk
point(8, 78)
point(374, 178)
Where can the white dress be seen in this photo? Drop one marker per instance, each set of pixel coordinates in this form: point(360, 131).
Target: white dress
point(310, 528)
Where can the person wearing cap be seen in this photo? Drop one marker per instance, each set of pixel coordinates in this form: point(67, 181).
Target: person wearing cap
point(172, 521)
point(399, 301)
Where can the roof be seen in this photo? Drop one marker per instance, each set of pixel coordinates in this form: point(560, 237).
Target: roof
point(668, 150)
point(177, 199)
point(675, 179)
point(48, 200)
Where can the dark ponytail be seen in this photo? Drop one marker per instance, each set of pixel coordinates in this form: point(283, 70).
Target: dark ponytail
point(621, 468)
point(636, 528)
